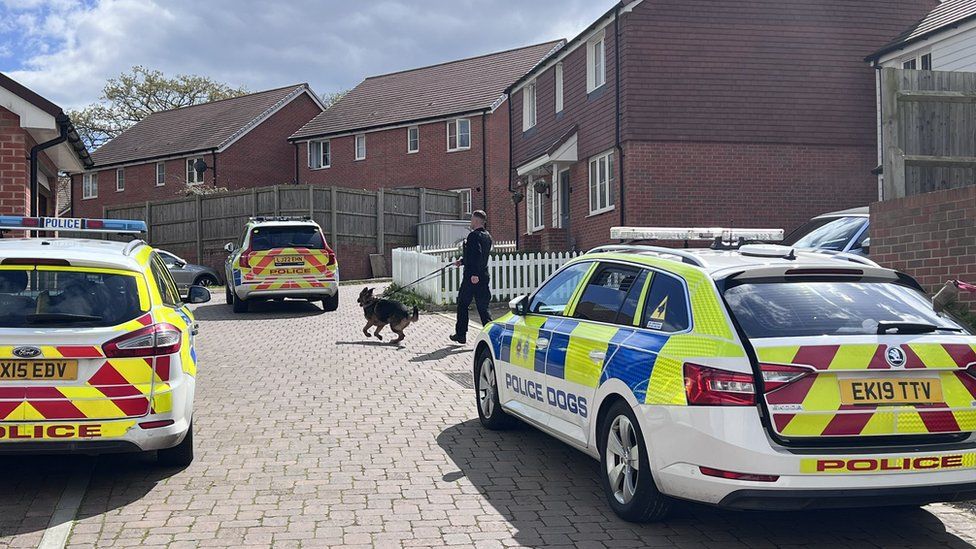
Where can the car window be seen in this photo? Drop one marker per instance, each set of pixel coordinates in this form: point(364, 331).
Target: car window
point(52, 298)
point(606, 293)
point(164, 281)
point(792, 309)
point(554, 295)
point(168, 260)
point(287, 236)
point(666, 306)
point(826, 234)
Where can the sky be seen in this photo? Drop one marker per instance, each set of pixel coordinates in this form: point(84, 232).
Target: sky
point(66, 49)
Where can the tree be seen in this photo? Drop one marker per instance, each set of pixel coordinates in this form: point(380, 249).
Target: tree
point(136, 94)
point(331, 98)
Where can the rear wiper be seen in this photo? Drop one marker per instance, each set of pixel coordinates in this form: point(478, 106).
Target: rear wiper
point(54, 318)
point(912, 327)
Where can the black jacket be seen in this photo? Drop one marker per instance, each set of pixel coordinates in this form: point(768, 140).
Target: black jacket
point(475, 257)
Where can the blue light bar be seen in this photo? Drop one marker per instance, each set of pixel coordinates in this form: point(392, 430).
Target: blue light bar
point(74, 224)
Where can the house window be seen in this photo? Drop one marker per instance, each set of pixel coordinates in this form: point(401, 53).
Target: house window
point(465, 200)
point(361, 147)
point(601, 183)
point(528, 106)
point(89, 185)
point(596, 68)
point(119, 179)
point(926, 61)
point(534, 208)
point(459, 134)
point(192, 177)
point(160, 174)
point(559, 87)
point(921, 62)
point(413, 139)
point(910, 64)
point(319, 154)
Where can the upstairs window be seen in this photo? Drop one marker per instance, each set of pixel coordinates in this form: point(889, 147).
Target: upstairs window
point(89, 185)
point(192, 177)
point(920, 62)
point(596, 67)
point(160, 174)
point(528, 106)
point(413, 139)
point(361, 147)
point(120, 180)
point(601, 183)
point(459, 134)
point(319, 154)
point(559, 87)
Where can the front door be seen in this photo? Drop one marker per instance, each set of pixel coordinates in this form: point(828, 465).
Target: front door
point(564, 199)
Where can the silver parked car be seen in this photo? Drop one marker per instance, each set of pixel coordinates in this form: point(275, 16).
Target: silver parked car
point(187, 274)
point(843, 231)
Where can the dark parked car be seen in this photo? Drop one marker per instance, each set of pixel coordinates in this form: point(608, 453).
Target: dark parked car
point(843, 231)
point(187, 274)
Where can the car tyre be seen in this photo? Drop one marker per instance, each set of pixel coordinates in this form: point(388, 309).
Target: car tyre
point(486, 394)
point(331, 303)
point(206, 281)
point(180, 455)
point(228, 295)
point(626, 479)
point(239, 305)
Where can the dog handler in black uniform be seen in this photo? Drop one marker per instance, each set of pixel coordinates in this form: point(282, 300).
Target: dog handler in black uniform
point(474, 282)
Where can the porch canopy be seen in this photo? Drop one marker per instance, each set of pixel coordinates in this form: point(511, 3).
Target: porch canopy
point(561, 152)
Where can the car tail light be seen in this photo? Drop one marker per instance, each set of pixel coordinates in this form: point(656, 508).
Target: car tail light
point(155, 340)
point(246, 258)
point(708, 471)
point(777, 375)
point(706, 386)
point(332, 257)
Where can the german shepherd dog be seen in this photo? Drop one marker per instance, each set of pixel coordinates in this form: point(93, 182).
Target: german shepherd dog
point(381, 312)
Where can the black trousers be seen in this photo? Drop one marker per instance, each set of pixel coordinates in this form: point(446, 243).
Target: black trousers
point(481, 293)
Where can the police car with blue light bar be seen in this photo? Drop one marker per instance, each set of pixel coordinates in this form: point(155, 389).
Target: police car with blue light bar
point(97, 348)
point(748, 376)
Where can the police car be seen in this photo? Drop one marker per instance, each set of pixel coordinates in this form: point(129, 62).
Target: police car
point(757, 378)
point(96, 346)
point(281, 257)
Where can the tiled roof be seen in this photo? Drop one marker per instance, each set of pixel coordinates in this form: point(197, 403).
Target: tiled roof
point(196, 128)
point(429, 92)
point(944, 16)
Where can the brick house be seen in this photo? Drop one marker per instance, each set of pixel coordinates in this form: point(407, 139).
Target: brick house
point(441, 127)
point(243, 142)
point(26, 121)
point(753, 113)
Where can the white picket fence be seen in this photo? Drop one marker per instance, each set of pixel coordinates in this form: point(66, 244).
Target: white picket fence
point(512, 274)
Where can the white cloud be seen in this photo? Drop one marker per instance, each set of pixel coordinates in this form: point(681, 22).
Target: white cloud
point(69, 48)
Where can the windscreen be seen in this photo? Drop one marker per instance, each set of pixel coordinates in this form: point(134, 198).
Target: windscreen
point(796, 309)
point(60, 299)
point(287, 236)
point(826, 234)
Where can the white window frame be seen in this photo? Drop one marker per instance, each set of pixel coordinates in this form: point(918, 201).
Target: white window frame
point(119, 179)
point(465, 200)
point(455, 126)
point(160, 181)
point(411, 149)
point(530, 106)
point(596, 61)
point(89, 186)
point(917, 59)
point(361, 136)
point(319, 154)
point(559, 87)
point(191, 173)
point(535, 208)
point(601, 178)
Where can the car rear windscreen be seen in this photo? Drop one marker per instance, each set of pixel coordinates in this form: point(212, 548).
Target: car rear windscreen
point(796, 309)
point(287, 236)
point(63, 299)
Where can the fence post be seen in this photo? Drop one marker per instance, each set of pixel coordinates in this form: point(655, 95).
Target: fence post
point(254, 201)
point(334, 211)
point(277, 200)
point(380, 215)
point(148, 221)
point(423, 205)
point(311, 202)
point(199, 229)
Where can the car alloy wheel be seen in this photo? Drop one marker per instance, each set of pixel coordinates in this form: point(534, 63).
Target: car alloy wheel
point(623, 459)
point(486, 387)
point(490, 410)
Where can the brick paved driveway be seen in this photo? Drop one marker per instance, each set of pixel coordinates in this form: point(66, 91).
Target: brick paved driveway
point(309, 435)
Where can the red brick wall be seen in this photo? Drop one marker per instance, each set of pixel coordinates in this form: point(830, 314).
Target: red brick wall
point(930, 236)
point(15, 145)
point(500, 208)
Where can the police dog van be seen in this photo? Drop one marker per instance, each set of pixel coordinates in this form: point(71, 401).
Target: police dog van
point(96, 345)
point(754, 378)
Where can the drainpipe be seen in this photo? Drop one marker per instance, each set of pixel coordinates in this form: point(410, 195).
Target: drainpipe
point(616, 92)
point(484, 163)
point(213, 160)
point(296, 162)
point(511, 190)
point(63, 123)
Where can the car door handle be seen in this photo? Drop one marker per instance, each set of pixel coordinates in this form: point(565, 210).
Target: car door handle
point(598, 356)
point(541, 343)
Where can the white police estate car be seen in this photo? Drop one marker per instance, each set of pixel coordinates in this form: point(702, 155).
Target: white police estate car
point(96, 346)
point(757, 378)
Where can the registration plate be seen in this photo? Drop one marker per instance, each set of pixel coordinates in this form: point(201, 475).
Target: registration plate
point(56, 370)
point(890, 391)
point(289, 260)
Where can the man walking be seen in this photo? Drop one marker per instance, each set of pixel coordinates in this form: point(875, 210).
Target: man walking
point(474, 281)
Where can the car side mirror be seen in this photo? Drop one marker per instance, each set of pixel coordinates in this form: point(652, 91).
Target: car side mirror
point(197, 294)
point(229, 247)
point(181, 263)
point(519, 306)
point(866, 245)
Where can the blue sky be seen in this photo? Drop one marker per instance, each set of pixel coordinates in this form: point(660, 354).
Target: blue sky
point(66, 49)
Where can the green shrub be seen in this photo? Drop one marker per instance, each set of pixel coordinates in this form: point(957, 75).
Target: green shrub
point(407, 297)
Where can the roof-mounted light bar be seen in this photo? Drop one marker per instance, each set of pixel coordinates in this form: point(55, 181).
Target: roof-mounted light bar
point(697, 233)
point(74, 224)
point(264, 218)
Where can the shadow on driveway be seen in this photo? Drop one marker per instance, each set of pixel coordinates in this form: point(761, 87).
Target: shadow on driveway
point(550, 494)
point(258, 310)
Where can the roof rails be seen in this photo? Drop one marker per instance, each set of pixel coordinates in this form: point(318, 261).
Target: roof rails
point(722, 238)
point(853, 258)
point(133, 245)
point(685, 257)
point(264, 218)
